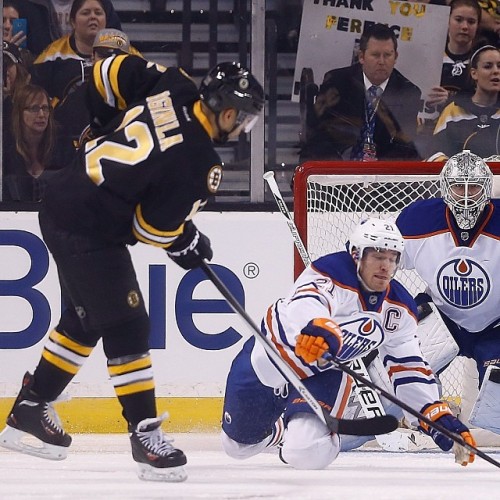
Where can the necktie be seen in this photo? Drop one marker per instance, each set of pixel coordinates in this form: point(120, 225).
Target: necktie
point(365, 149)
point(374, 92)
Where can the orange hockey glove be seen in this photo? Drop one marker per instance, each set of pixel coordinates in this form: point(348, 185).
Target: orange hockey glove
point(319, 336)
point(440, 413)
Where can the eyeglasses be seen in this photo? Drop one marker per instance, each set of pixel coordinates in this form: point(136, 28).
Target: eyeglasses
point(35, 109)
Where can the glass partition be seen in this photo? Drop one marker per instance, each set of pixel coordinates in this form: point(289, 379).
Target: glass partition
point(294, 47)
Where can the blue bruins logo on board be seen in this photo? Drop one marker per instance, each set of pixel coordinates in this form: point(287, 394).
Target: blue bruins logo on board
point(463, 283)
point(360, 337)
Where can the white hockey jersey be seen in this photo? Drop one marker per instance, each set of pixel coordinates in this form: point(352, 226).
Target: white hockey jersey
point(459, 267)
point(386, 321)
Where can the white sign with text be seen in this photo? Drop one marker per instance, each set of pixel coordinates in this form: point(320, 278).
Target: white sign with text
point(331, 29)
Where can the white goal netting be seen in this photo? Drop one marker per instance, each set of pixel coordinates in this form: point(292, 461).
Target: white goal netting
point(330, 199)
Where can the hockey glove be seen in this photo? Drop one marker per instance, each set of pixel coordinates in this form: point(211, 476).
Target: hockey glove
point(190, 248)
point(319, 336)
point(440, 413)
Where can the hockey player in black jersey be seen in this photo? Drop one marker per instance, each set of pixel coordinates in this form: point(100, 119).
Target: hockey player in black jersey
point(148, 169)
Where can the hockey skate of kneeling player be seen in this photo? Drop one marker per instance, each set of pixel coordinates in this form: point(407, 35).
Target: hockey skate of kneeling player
point(141, 182)
point(453, 243)
point(346, 304)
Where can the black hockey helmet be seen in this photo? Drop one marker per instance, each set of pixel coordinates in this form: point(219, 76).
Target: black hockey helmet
point(230, 85)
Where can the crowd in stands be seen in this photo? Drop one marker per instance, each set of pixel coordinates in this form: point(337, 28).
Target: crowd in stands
point(44, 103)
point(366, 111)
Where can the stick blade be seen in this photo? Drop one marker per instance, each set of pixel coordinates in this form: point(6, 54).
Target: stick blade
point(368, 426)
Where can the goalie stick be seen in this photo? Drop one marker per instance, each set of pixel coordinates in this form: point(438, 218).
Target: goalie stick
point(364, 427)
point(368, 399)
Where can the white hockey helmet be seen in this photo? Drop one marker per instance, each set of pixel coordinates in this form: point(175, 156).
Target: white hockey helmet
point(375, 233)
point(466, 169)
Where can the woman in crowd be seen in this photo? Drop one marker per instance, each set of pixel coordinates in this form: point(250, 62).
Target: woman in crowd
point(31, 150)
point(14, 77)
point(65, 63)
point(472, 121)
point(465, 16)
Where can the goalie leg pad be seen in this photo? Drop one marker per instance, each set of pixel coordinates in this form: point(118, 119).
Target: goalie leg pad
point(308, 443)
point(436, 342)
point(486, 410)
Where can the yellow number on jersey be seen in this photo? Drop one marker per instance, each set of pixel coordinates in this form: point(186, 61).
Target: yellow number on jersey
point(135, 132)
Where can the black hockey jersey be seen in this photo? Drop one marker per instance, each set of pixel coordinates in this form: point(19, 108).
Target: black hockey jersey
point(120, 81)
point(144, 179)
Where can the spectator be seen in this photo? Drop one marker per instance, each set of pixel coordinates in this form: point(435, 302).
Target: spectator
point(31, 150)
point(51, 19)
point(65, 63)
point(12, 10)
point(15, 74)
point(490, 22)
point(472, 121)
point(465, 16)
point(367, 111)
point(14, 77)
point(110, 42)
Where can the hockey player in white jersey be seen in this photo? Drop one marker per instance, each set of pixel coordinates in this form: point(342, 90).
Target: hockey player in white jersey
point(346, 304)
point(453, 243)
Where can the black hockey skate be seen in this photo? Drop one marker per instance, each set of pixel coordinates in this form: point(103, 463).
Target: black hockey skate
point(157, 459)
point(32, 416)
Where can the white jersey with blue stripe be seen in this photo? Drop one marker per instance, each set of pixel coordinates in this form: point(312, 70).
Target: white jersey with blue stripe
point(458, 266)
point(386, 321)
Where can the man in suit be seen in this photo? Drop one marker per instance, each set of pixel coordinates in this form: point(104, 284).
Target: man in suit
point(366, 111)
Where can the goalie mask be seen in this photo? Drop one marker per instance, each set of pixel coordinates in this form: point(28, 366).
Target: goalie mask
point(466, 183)
point(375, 233)
point(230, 85)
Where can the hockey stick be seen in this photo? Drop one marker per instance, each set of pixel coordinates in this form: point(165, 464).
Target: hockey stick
point(364, 427)
point(368, 399)
point(435, 425)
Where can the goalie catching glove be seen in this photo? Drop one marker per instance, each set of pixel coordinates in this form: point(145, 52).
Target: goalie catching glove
point(319, 336)
point(440, 413)
point(190, 248)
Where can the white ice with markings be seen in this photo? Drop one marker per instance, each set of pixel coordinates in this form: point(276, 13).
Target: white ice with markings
point(101, 467)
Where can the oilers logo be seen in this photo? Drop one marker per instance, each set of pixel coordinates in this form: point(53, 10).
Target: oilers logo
point(360, 336)
point(463, 283)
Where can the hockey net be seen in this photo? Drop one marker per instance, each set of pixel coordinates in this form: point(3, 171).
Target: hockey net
point(331, 197)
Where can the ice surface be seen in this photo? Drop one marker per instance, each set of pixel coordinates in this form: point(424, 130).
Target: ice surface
point(101, 466)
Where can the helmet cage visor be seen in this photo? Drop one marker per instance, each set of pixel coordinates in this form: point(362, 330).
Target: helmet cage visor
point(246, 121)
point(466, 196)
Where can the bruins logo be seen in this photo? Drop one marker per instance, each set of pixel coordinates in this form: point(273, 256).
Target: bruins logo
point(133, 299)
point(214, 178)
point(244, 84)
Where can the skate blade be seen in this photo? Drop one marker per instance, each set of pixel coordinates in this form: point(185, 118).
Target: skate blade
point(16, 440)
point(166, 474)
